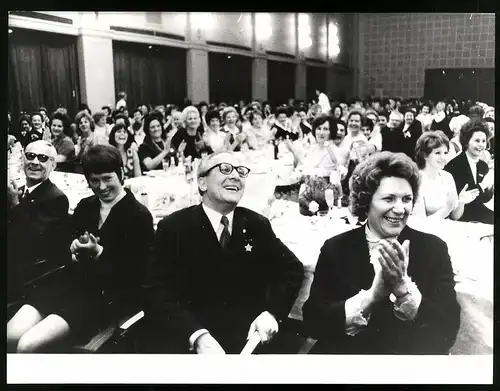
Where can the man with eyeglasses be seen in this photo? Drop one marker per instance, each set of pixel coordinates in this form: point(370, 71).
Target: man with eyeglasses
point(230, 276)
point(38, 246)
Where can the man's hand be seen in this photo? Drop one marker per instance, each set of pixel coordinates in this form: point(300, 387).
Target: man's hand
point(266, 325)
point(206, 344)
point(12, 194)
point(85, 247)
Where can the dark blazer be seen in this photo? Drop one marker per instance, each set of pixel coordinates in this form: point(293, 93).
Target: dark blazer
point(38, 235)
point(222, 290)
point(393, 140)
point(111, 288)
point(344, 268)
point(460, 169)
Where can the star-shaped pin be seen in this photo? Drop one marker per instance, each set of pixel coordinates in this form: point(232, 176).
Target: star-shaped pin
point(248, 247)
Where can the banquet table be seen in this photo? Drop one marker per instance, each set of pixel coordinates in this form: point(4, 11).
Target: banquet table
point(470, 245)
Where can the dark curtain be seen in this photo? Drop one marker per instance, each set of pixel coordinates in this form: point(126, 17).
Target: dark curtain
point(460, 83)
point(155, 75)
point(280, 81)
point(315, 79)
point(43, 71)
point(230, 78)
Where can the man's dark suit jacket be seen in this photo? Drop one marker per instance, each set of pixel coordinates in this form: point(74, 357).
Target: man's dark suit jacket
point(110, 287)
point(460, 169)
point(393, 140)
point(344, 268)
point(222, 290)
point(38, 238)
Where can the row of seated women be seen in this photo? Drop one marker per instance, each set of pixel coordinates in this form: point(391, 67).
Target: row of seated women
point(382, 288)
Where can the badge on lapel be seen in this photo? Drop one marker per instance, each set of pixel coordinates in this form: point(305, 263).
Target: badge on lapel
point(248, 245)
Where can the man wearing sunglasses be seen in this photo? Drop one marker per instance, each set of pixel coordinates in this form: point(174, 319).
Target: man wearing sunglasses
point(38, 247)
point(230, 276)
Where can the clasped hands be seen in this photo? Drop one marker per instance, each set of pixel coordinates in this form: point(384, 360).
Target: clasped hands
point(265, 325)
point(391, 265)
point(85, 247)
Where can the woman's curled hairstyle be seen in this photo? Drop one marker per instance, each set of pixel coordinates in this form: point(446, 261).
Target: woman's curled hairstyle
point(469, 128)
point(368, 174)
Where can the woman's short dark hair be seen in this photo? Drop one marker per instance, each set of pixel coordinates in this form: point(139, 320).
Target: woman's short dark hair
point(211, 115)
point(320, 120)
point(112, 140)
point(66, 122)
point(84, 114)
point(427, 143)
point(368, 174)
point(98, 115)
point(340, 108)
point(281, 110)
point(102, 158)
point(354, 112)
point(152, 116)
point(365, 121)
point(84, 106)
point(36, 113)
point(253, 113)
point(469, 128)
point(136, 110)
point(124, 117)
point(25, 117)
point(108, 108)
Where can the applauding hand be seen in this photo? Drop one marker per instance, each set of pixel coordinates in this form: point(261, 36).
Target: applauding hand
point(394, 259)
point(467, 196)
point(85, 247)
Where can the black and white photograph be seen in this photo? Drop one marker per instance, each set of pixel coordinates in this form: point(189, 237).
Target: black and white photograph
point(250, 197)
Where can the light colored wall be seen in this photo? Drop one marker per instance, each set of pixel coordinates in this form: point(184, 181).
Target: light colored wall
point(231, 28)
point(283, 39)
point(395, 49)
point(95, 62)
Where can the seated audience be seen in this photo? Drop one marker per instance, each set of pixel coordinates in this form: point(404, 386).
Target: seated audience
point(157, 146)
point(438, 197)
point(383, 288)
point(321, 168)
point(60, 129)
point(470, 172)
point(122, 139)
point(188, 140)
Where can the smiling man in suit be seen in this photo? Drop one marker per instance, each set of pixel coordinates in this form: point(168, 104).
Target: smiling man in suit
point(38, 249)
point(229, 274)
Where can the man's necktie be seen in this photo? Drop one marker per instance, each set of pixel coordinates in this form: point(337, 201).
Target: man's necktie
point(225, 236)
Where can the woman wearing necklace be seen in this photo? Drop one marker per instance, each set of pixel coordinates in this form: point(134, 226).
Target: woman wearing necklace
point(156, 146)
point(383, 288)
point(188, 140)
point(120, 138)
point(438, 196)
point(470, 172)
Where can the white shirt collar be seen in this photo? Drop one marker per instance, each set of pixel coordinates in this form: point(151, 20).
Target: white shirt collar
point(215, 217)
point(32, 188)
point(473, 166)
point(109, 205)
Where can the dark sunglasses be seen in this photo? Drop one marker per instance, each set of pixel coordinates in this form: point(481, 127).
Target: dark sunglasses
point(226, 169)
point(41, 157)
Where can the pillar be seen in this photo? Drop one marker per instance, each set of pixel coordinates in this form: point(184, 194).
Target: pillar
point(197, 75)
point(259, 78)
point(301, 81)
